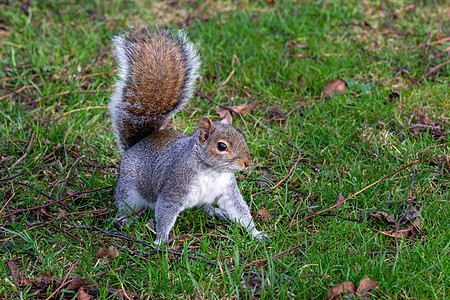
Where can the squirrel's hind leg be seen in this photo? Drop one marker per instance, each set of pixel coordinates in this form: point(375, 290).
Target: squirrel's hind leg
point(129, 202)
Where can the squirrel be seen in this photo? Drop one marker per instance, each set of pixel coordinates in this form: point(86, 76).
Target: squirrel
point(165, 170)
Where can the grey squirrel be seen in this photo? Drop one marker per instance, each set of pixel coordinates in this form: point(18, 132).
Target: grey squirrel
point(165, 170)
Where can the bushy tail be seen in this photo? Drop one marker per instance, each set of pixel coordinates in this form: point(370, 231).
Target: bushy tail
point(157, 71)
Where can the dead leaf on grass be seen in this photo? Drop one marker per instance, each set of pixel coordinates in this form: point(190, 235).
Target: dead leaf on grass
point(349, 288)
point(151, 224)
point(339, 198)
point(264, 214)
point(240, 109)
point(412, 212)
point(109, 253)
point(381, 216)
point(366, 285)
point(15, 272)
point(341, 289)
point(251, 281)
point(82, 295)
point(334, 87)
point(76, 283)
point(424, 124)
point(122, 293)
point(412, 230)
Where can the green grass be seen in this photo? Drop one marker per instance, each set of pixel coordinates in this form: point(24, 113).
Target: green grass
point(377, 47)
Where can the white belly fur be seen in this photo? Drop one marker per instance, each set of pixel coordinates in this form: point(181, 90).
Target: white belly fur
point(207, 187)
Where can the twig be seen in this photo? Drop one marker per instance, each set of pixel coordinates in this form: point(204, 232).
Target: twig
point(232, 71)
point(274, 256)
point(428, 148)
point(64, 281)
point(20, 90)
point(441, 41)
point(6, 203)
point(286, 177)
point(436, 68)
point(14, 176)
point(54, 202)
point(298, 207)
point(84, 108)
point(129, 215)
point(96, 74)
point(360, 191)
point(131, 239)
point(195, 234)
point(26, 153)
point(71, 92)
point(362, 151)
point(68, 175)
point(200, 93)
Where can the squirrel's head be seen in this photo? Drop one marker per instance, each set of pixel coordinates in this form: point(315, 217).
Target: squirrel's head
point(222, 146)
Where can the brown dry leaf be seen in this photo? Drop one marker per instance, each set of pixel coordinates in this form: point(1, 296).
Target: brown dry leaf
point(299, 55)
point(334, 87)
point(412, 212)
point(48, 277)
point(251, 281)
point(264, 214)
point(339, 198)
point(15, 272)
point(417, 227)
point(383, 217)
point(151, 224)
point(240, 109)
point(121, 293)
point(401, 233)
point(424, 124)
point(109, 253)
point(366, 285)
point(343, 288)
point(82, 295)
point(61, 213)
point(76, 283)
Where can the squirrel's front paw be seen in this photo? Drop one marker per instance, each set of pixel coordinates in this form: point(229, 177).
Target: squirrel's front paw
point(161, 239)
point(261, 237)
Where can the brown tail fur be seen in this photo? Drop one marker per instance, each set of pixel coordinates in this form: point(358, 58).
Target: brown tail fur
point(157, 71)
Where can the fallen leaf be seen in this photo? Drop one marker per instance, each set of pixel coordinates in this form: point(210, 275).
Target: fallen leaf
point(15, 272)
point(381, 216)
point(412, 212)
point(251, 281)
point(121, 293)
point(366, 285)
point(109, 253)
point(82, 295)
point(47, 278)
point(240, 109)
point(339, 198)
point(334, 87)
point(343, 288)
point(76, 283)
point(264, 214)
point(401, 233)
point(151, 224)
point(299, 55)
point(411, 231)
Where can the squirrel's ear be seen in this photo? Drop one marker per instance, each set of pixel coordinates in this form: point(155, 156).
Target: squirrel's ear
point(228, 119)
point(206, 128)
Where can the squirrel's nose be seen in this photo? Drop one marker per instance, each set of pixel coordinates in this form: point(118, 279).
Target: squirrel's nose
point(247, 162)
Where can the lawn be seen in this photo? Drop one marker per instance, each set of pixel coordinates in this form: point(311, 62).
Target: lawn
point(345, 107)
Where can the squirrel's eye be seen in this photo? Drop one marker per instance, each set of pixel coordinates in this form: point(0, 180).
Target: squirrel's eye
point(221, 146)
